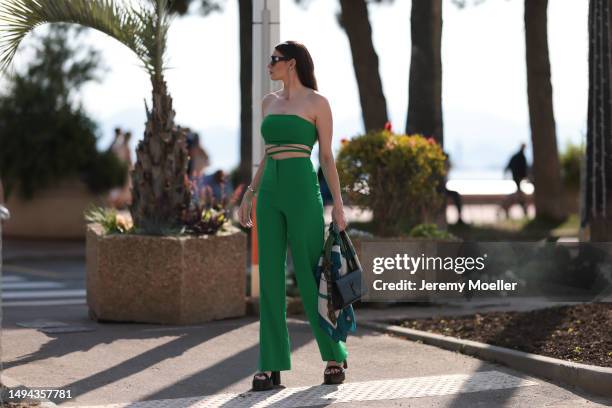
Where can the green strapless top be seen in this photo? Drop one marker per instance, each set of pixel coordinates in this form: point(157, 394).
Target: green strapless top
point(283, 129)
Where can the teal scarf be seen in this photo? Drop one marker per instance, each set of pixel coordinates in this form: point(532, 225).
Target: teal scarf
point(337, 324)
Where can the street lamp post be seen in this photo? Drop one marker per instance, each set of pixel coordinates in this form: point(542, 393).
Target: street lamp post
point(4, 215)
point(266, 34)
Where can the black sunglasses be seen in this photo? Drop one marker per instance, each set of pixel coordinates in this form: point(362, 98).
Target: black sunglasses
point(275, 58)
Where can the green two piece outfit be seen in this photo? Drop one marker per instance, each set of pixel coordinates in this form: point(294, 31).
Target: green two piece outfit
point(289, 211)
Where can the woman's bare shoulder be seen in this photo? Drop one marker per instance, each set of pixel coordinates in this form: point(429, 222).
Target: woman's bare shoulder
point(319, 102)
point(267, 99)
point(271, 96)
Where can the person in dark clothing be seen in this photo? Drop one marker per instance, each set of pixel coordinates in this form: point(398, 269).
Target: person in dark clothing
point(518, 166)
point(454, 195)
point(221, 186)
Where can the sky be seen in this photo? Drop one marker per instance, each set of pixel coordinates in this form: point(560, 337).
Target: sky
point(484, 98)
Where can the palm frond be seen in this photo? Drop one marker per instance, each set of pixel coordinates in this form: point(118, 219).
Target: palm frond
point(140, 26)
point(155, 21)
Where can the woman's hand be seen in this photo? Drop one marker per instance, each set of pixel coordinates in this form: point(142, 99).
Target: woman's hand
point(244, 212)
point(338, 217)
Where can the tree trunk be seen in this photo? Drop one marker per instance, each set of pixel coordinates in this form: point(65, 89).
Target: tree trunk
point(597, 188)
point(546, 169)
point(425, 82)
point(160, 190)
point(354, 20)
point(246, 93)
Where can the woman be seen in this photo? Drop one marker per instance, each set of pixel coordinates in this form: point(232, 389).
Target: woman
point(290, 210)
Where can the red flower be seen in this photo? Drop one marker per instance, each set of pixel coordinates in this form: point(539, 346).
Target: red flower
point(388, 126)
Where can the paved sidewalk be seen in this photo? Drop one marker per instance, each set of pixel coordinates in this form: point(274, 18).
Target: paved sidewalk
point(212, 365)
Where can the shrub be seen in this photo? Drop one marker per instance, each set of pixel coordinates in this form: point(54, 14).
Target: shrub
point(429, 230)
point(571, 160)
point(45, 136)
point(396, 176)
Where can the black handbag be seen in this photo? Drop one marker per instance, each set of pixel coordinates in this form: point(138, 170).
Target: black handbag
point(344, 289)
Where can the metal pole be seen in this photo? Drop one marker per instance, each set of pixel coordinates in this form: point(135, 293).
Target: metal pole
point(4, 215)
point(266, 34)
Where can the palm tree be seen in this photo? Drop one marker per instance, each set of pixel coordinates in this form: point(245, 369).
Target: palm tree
point(425, 83)
point(597, 191)
point(160, 189)
point(354, 20)
point(546, 166)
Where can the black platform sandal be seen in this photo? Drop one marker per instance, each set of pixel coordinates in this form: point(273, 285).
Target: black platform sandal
point(263, 384)
point(334, 374)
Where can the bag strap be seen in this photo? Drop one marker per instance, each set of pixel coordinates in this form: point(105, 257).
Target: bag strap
point(329, 242)
point(327, 271)
point(351, 257)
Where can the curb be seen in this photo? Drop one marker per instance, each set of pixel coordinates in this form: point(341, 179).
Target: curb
point(593, 379)
point(24, 256)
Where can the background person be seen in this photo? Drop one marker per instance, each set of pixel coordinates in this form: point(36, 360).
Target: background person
point(517, 165)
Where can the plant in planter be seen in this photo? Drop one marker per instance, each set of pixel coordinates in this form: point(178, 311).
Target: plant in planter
point(156, 274)
point(396, 176)
point(208, 214)
point(111, 221)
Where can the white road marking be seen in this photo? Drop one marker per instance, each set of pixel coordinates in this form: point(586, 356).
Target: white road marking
point(12, 278)
point(44, 302)
point(31, 285)
point(358, 391)
point(44, 294)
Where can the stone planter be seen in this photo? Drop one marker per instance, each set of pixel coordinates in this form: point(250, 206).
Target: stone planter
point(55, 212)
point(167, 280)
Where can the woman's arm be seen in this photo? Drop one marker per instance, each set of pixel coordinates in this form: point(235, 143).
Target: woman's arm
point(247, 198)
point(256, 179)
point(326, 158)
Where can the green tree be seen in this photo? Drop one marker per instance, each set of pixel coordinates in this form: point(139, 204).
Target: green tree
point(45, 135)
point(160, 192)
point(181, 7)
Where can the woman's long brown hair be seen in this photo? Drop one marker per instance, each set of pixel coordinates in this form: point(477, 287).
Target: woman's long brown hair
point(303, 62)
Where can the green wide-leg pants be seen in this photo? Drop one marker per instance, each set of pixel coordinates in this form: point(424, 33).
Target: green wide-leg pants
point(289, 211)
